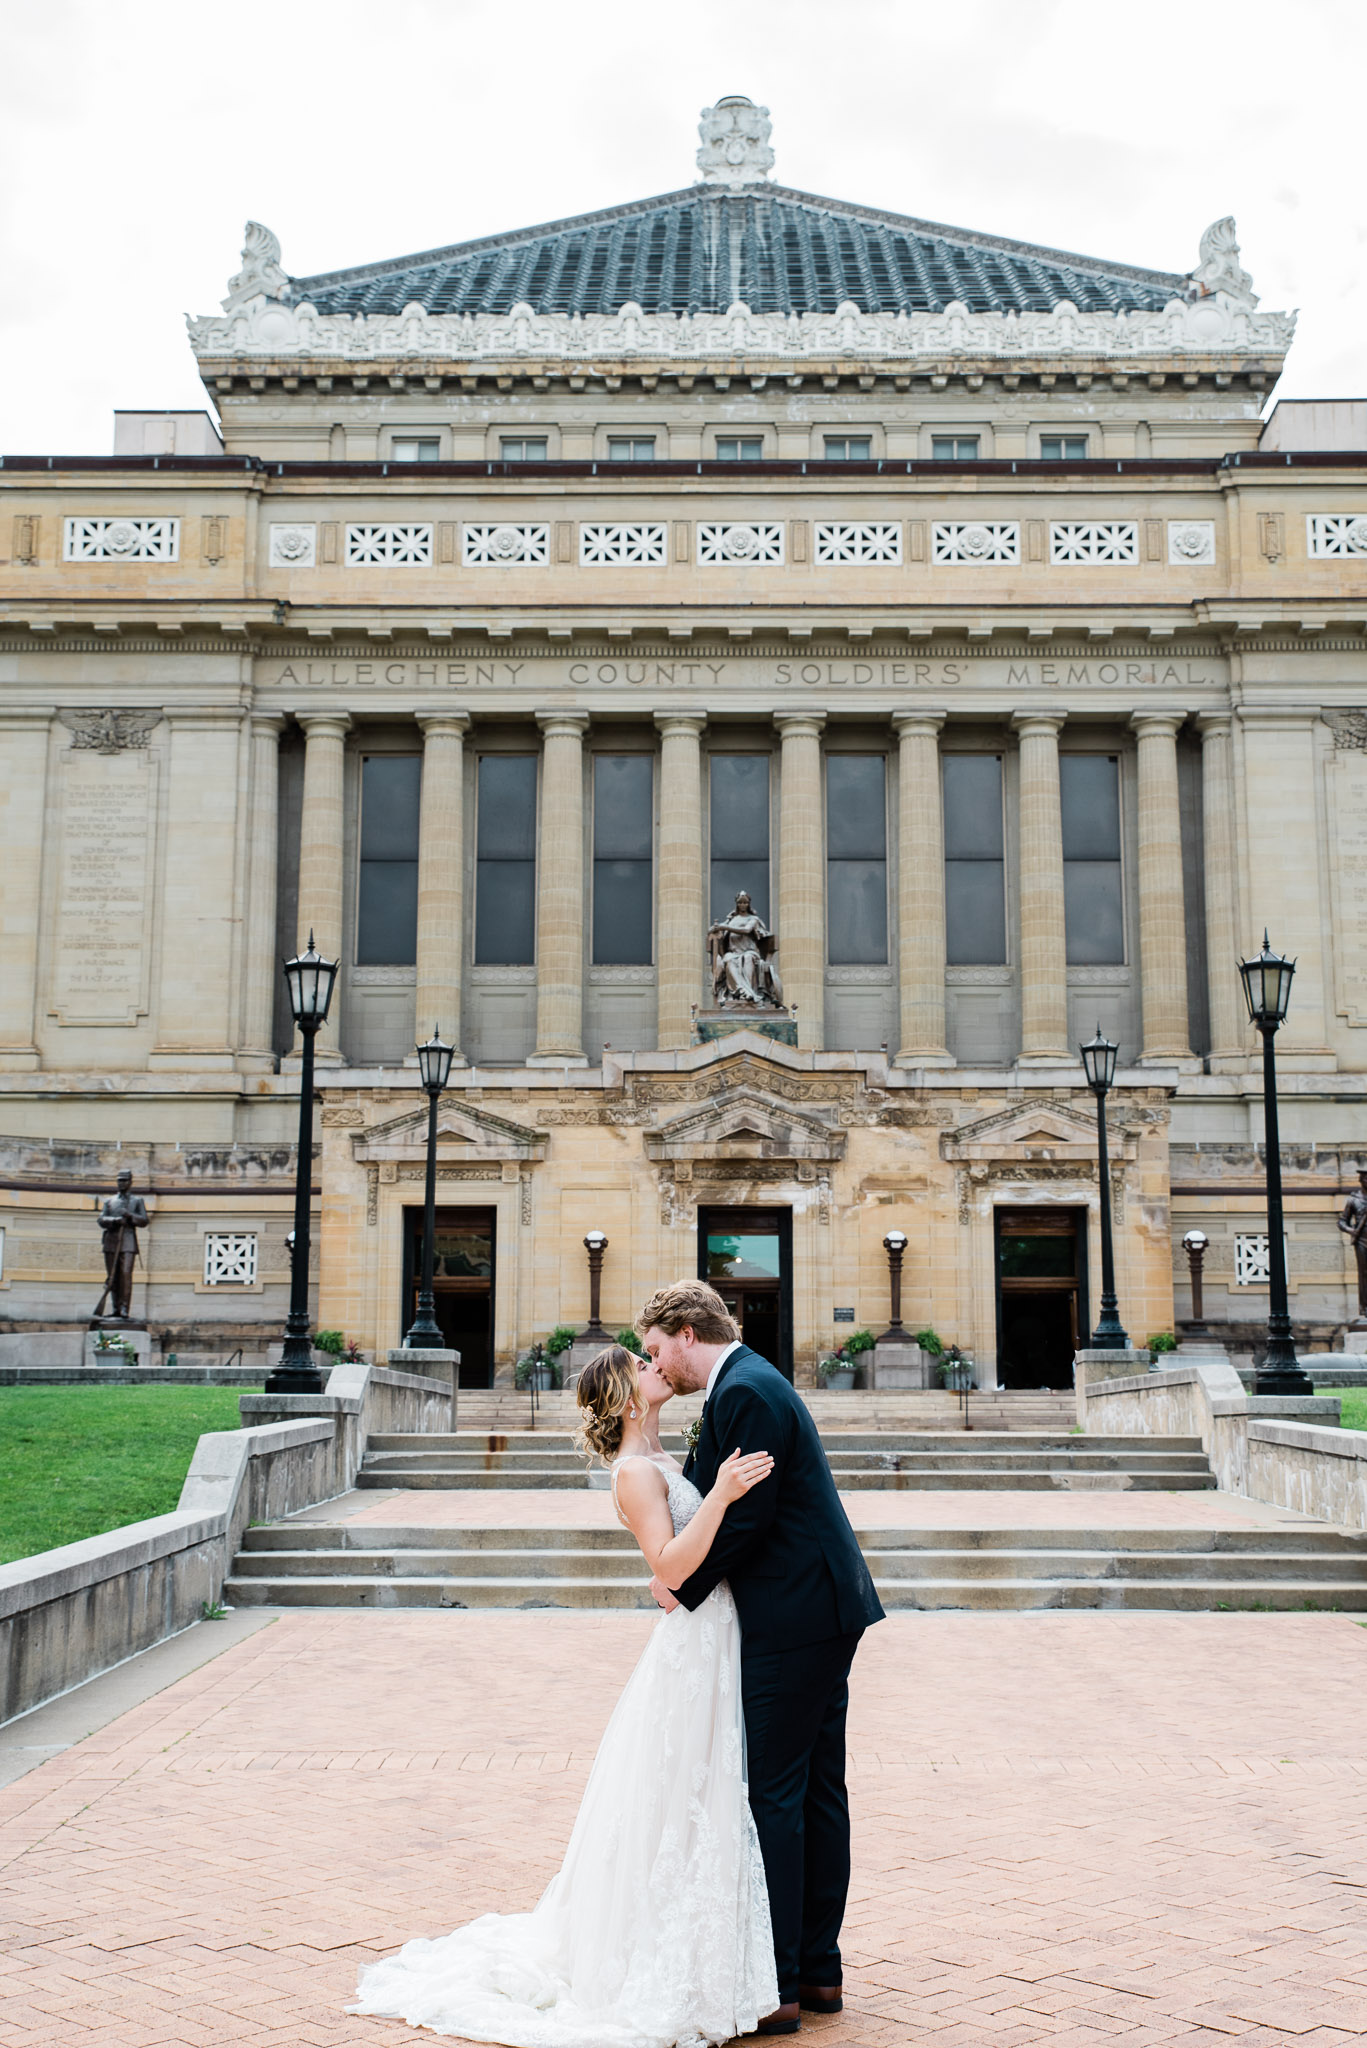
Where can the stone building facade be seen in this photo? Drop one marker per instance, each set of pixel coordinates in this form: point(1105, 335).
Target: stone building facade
point(948, 594)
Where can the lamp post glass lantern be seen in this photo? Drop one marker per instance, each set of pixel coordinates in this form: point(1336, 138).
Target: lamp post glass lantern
point(310, 980)
point(434, 1070)
point(1267, 991)
point(1098, 1064)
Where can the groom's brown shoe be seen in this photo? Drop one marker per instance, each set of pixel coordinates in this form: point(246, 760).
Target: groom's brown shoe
point(820, 1998)
point(784, 2019)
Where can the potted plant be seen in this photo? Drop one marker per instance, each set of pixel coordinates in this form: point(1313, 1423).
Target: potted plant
point(540, 1367)
point(837, 1372)
point(1163, 1341)
point(953, 1370)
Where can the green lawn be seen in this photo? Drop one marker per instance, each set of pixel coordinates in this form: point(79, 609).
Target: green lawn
point(77, 1461)
point(1354, 1401)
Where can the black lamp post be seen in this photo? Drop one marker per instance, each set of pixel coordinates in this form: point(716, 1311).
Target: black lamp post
point(1098, 1063)
point(434, 1066)
point(1267, 991)
point(595, 1244)
point(895, 1245)
point(310, 980)
point(1196, 1244)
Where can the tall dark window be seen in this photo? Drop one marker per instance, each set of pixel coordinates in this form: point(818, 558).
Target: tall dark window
point(975, 861)
point(856, 858)
point(387, 897)
point(623, 806)
point(739, 832)
point(1093, 910)
point(505, 861)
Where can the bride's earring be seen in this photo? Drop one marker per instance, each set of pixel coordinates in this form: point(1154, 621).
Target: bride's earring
point(631, 1411)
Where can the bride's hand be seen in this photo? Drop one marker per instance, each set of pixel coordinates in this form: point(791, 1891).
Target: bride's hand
point(738, 1474)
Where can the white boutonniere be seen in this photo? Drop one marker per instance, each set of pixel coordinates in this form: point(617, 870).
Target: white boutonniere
point(692, 1433)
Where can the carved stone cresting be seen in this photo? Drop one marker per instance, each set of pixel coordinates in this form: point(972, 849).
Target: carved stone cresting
point(735, 142)
point(1218, 274)
point(1349, 729)
point(109, 732)
point(1206, 326)
point(261, 276)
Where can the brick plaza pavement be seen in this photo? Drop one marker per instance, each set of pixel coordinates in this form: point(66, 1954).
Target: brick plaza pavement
point(1070, 1828)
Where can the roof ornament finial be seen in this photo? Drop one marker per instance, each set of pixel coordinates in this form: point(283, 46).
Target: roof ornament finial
point(260, 276)
point(735, 142)
point(1218, 273)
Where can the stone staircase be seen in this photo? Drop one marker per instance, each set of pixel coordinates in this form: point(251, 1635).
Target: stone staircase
point(314, 1564)
point(498, 1410)
point(885, 1460)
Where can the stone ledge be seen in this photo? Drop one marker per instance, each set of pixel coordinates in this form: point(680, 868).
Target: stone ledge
point(1337, 1443)
point(55, 1574)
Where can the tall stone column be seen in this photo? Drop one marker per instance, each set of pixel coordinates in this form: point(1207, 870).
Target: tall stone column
point(1229, 1032)
point(204, 891)
point(321, 854)
point(801, 922)
point(261, 952)
point(1162, 903)
point(680, 923)
point(23, 802)
point(441, 869)
point(920, 890)
point(560, 893)
point(1043, 953)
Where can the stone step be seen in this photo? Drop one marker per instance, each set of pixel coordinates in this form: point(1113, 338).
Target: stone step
point(958, 1455)
point(939, 1477)
point(477, 1442)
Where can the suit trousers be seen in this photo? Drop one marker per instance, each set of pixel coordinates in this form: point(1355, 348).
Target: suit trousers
point(795, 1706)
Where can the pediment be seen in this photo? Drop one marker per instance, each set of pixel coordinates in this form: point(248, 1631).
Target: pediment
point(745, 1123)
point(462, 1133)
point(1029, 1131)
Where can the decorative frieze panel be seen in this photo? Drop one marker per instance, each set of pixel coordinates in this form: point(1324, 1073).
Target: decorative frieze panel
point(622, 546)
point(1094, 541)
point(862, 541)
point(1336, 533)
point(1191, 542)
point(294, 547)
point(388, 546)
point(1252, 1262)
point(976, 542)
point(722, 545)
point(230, 1258)
point(506, 547)
point(121, 540)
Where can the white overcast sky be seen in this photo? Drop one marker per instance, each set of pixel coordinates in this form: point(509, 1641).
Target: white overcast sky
point(136, 136)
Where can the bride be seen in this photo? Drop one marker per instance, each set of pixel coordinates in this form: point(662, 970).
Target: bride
point(655, 1932)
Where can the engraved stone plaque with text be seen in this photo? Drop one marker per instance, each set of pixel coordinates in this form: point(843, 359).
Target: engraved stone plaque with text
point(104, 891)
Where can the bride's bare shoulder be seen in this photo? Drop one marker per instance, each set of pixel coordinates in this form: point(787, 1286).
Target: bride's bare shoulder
point(637, 1477)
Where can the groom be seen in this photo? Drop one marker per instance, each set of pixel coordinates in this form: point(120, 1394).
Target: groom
point(804, 1597)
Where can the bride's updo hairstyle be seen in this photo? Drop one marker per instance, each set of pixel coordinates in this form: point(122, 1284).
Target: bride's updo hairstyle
point(605, 1389)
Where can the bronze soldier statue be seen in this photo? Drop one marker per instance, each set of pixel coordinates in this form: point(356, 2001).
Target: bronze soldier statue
point(122, 1217)
point(1353, 1224)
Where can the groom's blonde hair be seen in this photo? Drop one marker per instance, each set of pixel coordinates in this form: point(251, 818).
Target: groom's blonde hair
point(689, 1304)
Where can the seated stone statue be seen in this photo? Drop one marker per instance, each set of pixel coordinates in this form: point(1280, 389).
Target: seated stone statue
point(744, 971)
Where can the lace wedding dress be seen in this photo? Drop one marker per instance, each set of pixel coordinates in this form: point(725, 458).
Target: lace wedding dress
point(655, 1933)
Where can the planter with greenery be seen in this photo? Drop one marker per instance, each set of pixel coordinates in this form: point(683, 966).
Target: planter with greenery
point(953, 1369)
point(929, 1343)
point(837, 1373)
point(331, 1341)
point(1163, 1341)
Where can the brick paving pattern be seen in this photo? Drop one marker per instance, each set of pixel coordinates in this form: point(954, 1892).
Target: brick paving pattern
point(1070, 1828)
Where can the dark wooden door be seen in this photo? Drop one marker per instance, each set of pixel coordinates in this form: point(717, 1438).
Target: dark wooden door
point(747, 1256)
point(462, 1284)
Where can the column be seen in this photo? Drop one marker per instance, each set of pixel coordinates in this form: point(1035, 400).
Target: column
point(262, 965)
point(1162, 902)
point(920, 890)
point(1285, 887)
point(1043, 953)
point(203, 892)
point(680, 923)
point(23, 798)
point(560, 893)
point(801, 922)
point(321, 854)
point(441, 871)
point(1229, 1031)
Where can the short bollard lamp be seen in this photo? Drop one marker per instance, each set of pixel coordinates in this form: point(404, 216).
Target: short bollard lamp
point(1267, 991)
point(895, 1245)
point(434, 1071)
point(595, 1244)
point(1196, 1244)
point(310, 980)
point(1098, 1063)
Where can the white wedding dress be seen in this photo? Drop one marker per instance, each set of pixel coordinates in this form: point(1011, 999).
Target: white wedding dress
point(655, 1932)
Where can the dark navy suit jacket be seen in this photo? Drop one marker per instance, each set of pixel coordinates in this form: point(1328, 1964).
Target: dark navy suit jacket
point(787, 1550)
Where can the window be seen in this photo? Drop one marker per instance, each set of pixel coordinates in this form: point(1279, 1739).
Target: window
point(623, 814)
point(387, 897)
point(848, 448)
point(856, 859)
point(954, 448)
point(975, 861)
point(523, 450)
point(229, 1258)
point(746, 449)
point(638, 449)
point(423, 450)
point(505, 861)
point(1063, 448)
point(1089, 791)
point(739, 833)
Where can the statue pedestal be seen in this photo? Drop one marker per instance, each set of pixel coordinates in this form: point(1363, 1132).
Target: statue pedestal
point(899, 1363)
point(120, 1333)
point(1355, 1340)
point(710, 1025)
